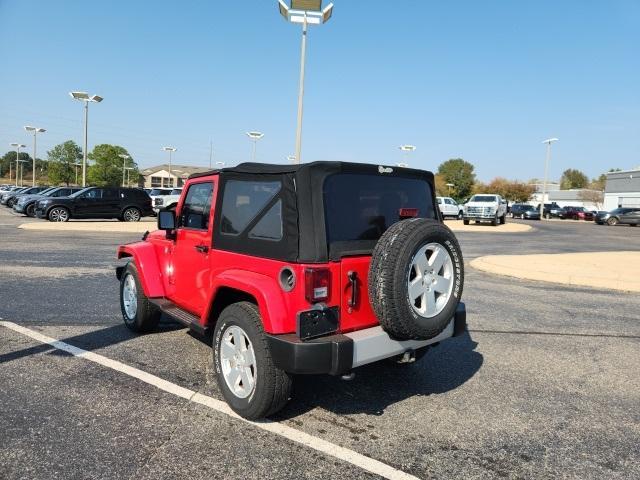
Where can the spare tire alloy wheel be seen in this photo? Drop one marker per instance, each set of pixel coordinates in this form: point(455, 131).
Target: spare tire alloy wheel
point(429, 281)
point(59, 215)
point(416, 279)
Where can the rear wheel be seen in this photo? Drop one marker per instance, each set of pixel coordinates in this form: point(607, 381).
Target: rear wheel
point(131, 214)
point(30, 211)
point(58, 214)
point(459, 217)
point(250, 382)
point(138, 313)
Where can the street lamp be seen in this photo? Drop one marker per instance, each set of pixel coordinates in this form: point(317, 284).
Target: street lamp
point(35, 131)
point(220, 164)
point(77, 164)
point(548, 141)
point(450, 185)
point(406, 150)
point(170, 150)
point(18, 146)
point(22, 162)
point(124, 158)
point(306, 12)
point(128, 181)
point(84, 97)
point(291, 158)
point(254, 136)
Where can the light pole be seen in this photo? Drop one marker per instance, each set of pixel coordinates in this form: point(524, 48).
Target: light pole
point(406, 150)
point(450, 185)
point(220, 165)
point(22, 162)
point(35, 131)
point(254, 136)
point(291, 158)
point(84, 97)
point(548, 141)
point(170, 150)
point(124, 158)
point(128, 170)
point(18, 146)
point(77, 164)
point(306, 12)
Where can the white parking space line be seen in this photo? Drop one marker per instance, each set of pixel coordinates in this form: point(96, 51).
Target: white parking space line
point(366, 463)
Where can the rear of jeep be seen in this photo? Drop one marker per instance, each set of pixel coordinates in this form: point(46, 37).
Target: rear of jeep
point(329, 265)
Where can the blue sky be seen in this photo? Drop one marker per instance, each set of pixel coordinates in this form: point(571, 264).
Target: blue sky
point(486, 81)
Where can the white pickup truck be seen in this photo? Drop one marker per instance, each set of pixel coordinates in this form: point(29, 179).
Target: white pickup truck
point(485, 207)
point(164, 201)
point(449, 207)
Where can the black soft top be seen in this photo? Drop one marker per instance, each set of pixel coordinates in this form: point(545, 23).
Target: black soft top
point(303, 208)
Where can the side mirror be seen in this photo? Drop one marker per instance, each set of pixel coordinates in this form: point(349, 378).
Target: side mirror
point(166, 220)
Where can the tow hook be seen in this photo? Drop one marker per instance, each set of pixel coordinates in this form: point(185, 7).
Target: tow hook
point(347, 377)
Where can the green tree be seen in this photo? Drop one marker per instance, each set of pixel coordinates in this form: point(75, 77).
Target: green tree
point(460, 173)
point(108, 166)
point(572, 178)
point(8, 164)
point(62, 159)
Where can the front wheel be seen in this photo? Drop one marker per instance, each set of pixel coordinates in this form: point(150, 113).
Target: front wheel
point(58, 214)
point(612, 221)
point(30, 211)
point(138, 313)
point(250, 382)
point(503, 219)
point(465, 221)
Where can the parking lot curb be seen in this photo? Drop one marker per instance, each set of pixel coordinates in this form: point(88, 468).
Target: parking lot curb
point(96, 227)
point(602, 270)
point(458, 226)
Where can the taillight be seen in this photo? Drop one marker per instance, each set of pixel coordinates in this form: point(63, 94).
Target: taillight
point(316, 282)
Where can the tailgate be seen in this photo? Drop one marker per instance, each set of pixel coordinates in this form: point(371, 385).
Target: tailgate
point(355, 309)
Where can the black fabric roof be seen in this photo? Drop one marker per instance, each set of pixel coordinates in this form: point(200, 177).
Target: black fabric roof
point(256, 168)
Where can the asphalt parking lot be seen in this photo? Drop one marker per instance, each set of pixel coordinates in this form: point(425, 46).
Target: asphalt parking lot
point(545, 385)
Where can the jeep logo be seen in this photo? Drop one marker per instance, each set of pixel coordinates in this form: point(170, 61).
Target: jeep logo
point(382, 169)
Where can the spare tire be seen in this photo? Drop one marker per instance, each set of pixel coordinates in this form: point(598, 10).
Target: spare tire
point(416, 278)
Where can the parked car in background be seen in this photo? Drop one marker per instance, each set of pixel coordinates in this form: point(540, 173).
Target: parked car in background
point(156, 193)
point(622, 216)
point(125, 204)
point(485, 208)
point(551, 210)
point(26, 204)
point(575, 213)
point(167, 201)
point(524, 211)
point(450, 208)
point(10, 198)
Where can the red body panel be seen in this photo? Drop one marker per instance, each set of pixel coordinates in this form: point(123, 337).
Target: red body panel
point(174, 269)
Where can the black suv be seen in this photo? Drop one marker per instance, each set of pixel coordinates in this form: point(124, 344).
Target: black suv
point(125, 204)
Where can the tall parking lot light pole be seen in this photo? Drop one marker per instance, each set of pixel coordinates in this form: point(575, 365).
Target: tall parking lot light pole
point(124, 158)
point(35, 131)
point(22, 162)
point(170, 150)
point(254, 136)
point(306, 12)
point(17, 146)
point(548, 141)
point(86, 98)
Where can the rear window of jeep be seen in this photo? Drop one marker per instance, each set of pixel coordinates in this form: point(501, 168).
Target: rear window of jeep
point(362, 206)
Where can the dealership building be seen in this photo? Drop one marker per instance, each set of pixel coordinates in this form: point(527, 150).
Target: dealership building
point(158, 176)
point(622, 189)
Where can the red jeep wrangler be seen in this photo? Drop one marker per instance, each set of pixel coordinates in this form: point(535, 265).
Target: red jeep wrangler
point(311, 269)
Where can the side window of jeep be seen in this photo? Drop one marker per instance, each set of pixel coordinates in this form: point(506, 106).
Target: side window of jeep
point(246, 201)
point(196, 207)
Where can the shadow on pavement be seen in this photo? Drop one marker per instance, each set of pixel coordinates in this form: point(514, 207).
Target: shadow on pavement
point(93, 340)
point(376, 386)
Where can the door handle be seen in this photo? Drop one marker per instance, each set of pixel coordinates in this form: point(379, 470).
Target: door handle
point(202, 248)
point(353, 281)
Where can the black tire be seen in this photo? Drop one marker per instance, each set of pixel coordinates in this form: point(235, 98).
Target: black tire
point(459, 217)
point(391, 269)
point(494, 222)
point(131, 214)
point(58, 214)
point(612, 221)
point(272, 387)
point(147, 315)
point(503, 219)
point(10, 203)
point(465, 221)
point(30, 211)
